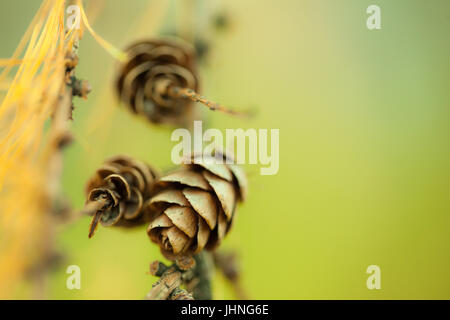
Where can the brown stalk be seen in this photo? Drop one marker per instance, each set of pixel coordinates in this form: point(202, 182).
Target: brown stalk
point(186, 93)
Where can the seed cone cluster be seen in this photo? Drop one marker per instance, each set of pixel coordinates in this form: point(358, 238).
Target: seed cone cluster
point(151, 82)
point(117, 192)
point(195, 206)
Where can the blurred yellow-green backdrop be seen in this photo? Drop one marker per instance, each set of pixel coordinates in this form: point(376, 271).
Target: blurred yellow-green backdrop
point(364, 123)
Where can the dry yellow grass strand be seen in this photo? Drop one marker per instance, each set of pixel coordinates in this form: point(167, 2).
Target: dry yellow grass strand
point(116, 53)
point(31, 98)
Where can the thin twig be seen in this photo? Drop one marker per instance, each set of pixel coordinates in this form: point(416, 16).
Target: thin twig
point(211, 105)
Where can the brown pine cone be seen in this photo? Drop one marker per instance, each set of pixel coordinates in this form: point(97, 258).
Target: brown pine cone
point(149, 82)
point(195, 206)
point(117, 192)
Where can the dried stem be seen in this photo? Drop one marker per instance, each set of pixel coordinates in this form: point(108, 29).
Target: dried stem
point(186, 93)
point(96, 209)
point(170, 280)
point(93, 206)
point(180, 294)
point(194, 273)
point(59, 138)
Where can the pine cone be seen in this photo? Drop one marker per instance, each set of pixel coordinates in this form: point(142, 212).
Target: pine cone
point(117, 192)
point(195, 206)
point(149, 81)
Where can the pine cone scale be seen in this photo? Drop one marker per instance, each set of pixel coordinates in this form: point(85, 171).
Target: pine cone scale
point(114, 214)
point(120, 185)
point(178, 240)
point(225, 192)
point(135, 177)
point(134, 204)
point(130, 84)
point(220, 170)
point(222, 225)
point(172, 196)
point(189, 178)
point(184, 218)
point(241, 179)
point(161, 221)
point(203, 234)
point(204, 204)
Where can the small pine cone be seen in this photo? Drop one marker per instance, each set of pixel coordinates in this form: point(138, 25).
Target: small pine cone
point(117, 192)
point(195, 206)
point(153, 71)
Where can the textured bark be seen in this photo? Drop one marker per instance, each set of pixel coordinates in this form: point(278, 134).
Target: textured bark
point(170, 280)
point(194, 273)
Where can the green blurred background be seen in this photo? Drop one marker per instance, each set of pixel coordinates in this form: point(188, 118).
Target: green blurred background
point(364, 147)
